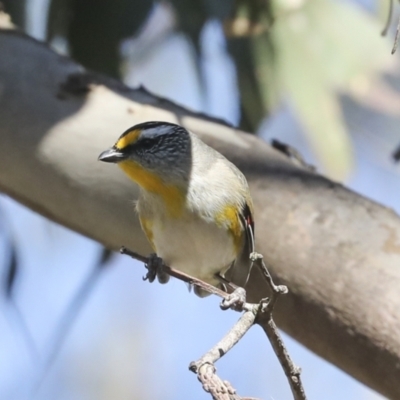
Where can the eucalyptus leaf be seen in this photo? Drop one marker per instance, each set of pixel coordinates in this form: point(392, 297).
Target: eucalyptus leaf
point(323, 47)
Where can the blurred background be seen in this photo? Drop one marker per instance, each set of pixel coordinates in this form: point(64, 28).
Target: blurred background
point(317, 75)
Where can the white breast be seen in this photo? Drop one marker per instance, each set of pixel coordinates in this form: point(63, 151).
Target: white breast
point(194, 246)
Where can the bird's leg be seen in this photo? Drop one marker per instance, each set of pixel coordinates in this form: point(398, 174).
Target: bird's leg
point(226, 284)
point(155, 268)
point(236, 299)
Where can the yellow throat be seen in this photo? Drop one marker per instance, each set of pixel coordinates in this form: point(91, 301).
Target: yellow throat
point(174, 197)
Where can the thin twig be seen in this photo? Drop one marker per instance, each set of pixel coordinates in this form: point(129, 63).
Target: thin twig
point(396, 154)
point(204, 367)
point(396, 38)
point(389, 19)
point(254, 313)
point(177, 274)
point(387, 26)
point(17, 318)
point(292, 372)
point(183, 277)
point(213, 384)
point(245, 322)
point(292, 153)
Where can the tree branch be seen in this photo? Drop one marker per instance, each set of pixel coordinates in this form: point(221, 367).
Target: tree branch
point(292, 372)
point(337, 251)
point(204, 367)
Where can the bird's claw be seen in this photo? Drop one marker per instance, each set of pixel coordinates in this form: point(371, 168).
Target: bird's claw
point(155, 268)
point(234, 300)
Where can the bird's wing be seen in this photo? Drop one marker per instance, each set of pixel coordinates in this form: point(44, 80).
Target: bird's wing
point(240, 271)
point(246, 217)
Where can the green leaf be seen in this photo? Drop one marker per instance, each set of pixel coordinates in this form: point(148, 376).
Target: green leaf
point(324, 47)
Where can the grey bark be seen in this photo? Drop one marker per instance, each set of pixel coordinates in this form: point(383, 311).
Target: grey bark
point(338, 252)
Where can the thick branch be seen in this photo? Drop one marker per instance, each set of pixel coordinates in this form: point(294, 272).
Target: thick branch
point(338, 252)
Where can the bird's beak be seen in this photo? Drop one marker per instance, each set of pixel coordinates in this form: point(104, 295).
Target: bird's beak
point(112, 156)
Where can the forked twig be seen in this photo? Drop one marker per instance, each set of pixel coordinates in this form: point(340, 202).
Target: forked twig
point(253, 313)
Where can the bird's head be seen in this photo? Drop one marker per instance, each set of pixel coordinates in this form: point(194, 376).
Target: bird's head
point(153, 151)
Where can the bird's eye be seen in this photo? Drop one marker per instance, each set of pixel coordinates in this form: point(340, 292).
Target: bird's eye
point(146, 143)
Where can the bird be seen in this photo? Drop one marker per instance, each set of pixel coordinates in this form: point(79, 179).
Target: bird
point(194, 205)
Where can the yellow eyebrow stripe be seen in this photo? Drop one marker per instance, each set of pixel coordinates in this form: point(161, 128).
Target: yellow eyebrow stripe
point(127, 139)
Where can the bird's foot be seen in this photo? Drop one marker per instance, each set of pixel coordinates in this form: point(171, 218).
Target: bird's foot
point(234, 300)
point(155, 268)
